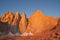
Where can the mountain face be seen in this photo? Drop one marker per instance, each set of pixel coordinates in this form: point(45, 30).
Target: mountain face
point(23, 23)
point(16, 19)
point(15, 23)
point(37, 23)
point(12, 20)
point(8, 17)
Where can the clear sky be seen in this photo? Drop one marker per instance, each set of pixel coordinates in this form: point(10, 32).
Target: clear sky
point(48, 7)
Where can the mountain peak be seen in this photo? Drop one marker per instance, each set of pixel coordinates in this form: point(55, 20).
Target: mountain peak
point(23, 14)
point(38, 22)
point(16, 19)
point(7, 17)
point(38, 12)
point(10, 12)
point(23, 23)
point(17, 13)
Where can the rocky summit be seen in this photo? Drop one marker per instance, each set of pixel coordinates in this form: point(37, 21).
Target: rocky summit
point(23, 23)
point(38, 22)
point(35, 24)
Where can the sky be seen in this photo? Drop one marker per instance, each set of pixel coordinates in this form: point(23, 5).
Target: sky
point(48, 7)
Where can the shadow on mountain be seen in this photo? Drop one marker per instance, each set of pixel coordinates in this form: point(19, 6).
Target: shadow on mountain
point(5, 28)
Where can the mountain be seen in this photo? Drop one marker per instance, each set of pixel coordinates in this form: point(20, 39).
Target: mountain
point(15, 23)
point(16, 19)
point(36, 23)
point(4, 28)
point(7, 17)
point(12, 20)
point(39, 22)
point(23, 23)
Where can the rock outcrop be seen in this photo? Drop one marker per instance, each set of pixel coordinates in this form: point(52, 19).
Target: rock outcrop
point(16, 19)
point(35, 22)
point(39, 23)
point(12, 20)
point(15, 23)
point(8, 17)
point(23, 23)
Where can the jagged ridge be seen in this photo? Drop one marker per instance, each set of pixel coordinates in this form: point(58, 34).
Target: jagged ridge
point(37, 23)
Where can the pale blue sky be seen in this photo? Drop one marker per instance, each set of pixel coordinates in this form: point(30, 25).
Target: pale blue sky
point(48, 7)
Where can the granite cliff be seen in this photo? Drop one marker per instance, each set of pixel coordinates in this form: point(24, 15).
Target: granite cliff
point(37, 23)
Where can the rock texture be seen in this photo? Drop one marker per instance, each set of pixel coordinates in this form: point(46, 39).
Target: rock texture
point(4, 28)
point(52, 34)
point(23, 23)
point(12, 20)
point(36, 27)
point(15, 23)
point(8, 17)
point(37, 23)
point(16, 19)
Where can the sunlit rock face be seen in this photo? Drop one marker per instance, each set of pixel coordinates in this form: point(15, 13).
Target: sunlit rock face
point(39, 23)
point(7, 17)
point(23, 23)
point(52, 22)
point(49, 22)
point(58, 24)
point(15, 22)
point(12, 20)
point(35, 22)
point(51, 34)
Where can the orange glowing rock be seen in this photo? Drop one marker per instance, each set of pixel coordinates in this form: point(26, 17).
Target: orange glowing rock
point(8, 17)
point(23, 23)
point(35, 23)
point(15, 23)
point(16, 19)
point(52, 21)
point(39, 23)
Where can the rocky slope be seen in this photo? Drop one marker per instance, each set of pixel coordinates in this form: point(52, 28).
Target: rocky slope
point(52, 34)
point(37, 23)
point(23, 23)
point(12, 20)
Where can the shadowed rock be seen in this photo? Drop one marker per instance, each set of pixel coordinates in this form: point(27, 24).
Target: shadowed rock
point(4, 28)
point(15, 23)
point(7, 17)
point(40, 23)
